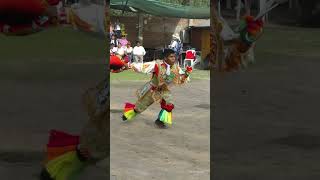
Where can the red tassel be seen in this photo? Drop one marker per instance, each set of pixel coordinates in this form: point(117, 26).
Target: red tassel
point(129, 105)
point(249, 19)
point(167, 107)
point(59, 139)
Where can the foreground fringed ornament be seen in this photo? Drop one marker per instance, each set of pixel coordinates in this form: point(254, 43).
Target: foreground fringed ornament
point(64, 161)
point(165, 117)
point(129, 112)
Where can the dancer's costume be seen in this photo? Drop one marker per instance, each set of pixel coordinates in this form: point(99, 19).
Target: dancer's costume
point(64, 160)
point(157, 89)
point(241, 49)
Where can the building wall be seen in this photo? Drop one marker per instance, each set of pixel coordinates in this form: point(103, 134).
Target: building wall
point(200, 39)
point(157, 31)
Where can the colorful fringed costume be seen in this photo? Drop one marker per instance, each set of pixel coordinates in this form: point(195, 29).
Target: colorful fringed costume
point(68, 155)
point(157, 89)
point(250, 32)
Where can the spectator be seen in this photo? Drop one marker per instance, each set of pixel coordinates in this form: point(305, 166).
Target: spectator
point(123, 41)
point(117, 28)
point(114, 40)
point(111, 31)
point(129, 51)
point(114, 49)
point(111, 49)
point(121, 51)
point(176, 45)
point(138, 53)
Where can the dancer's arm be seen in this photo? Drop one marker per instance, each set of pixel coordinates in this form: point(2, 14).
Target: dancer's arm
point(145, 68)
point(184, 75)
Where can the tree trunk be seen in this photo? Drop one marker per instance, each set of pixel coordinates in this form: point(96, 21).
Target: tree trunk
point(140, 27)
point(216, 41)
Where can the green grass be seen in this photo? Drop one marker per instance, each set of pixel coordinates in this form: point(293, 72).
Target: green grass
point(133, 76)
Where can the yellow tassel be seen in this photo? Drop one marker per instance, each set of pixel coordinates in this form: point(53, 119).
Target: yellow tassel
point(65, 166)
point(130, 114)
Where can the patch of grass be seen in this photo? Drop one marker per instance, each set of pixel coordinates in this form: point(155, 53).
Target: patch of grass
point(133, 76)
point(129, 76)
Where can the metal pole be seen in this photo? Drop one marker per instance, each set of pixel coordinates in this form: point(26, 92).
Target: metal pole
point(140, 27)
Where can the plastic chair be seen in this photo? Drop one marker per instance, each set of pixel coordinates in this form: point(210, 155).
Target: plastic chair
point(190, 58)
point(187, 62)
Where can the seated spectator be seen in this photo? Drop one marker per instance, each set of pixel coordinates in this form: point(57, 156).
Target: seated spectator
point(114, 49)
point(121, 51)
point(123, 41)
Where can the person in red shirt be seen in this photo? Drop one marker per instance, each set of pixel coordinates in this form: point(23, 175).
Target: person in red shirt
point(19, 17)
point(117, 65)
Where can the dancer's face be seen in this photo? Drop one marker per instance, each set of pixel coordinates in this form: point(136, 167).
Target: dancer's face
point(171, 59)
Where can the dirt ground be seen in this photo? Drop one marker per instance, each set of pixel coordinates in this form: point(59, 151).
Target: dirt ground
point(140, 151)
point(266, 119)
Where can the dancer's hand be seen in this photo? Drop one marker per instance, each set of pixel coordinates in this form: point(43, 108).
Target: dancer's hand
point(189, 69)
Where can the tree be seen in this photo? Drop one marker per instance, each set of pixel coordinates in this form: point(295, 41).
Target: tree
point(215, 38)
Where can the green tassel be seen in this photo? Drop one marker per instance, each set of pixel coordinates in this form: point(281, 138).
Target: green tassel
point(65, 167)
point(165, 116)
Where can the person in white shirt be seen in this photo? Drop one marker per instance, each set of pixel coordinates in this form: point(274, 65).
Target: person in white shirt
point(114, 49)
point(111, 48)
point(117, 28)
point(114, 40)
point(138, 53)
point(129, 51)
point(121, 51)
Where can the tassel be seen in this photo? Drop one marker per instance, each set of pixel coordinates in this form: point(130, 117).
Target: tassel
point(60, 143)
point(129, 111)
point(165, 116)
point(65, 167)
point(63, 162)
point(53, 152)
point(60, 139)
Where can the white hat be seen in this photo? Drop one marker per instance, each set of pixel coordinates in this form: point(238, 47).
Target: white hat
point(176, 36)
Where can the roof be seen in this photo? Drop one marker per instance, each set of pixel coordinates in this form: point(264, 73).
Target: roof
point(158, 8)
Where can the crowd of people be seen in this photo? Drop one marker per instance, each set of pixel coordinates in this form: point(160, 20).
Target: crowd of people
point(121, 47)
point(124, 55)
